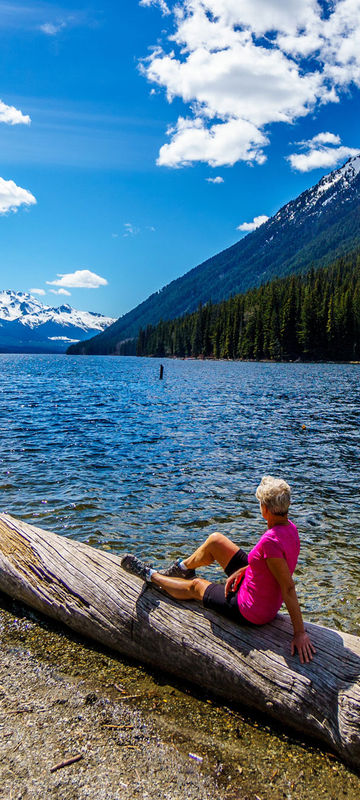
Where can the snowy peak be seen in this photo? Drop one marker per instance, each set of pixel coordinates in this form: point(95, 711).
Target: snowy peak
point(30, 312)
point(338, 186)
point(14, 305)
point(350, 169)
point(337, 181)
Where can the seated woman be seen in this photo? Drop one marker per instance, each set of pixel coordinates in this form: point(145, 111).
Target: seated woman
point(258, 583)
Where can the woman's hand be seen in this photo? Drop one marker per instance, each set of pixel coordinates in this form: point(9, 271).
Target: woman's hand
point(233, 583)
point(304, 647)
point(280, 570)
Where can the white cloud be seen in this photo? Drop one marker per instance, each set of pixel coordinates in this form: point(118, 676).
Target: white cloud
point(223, 143)
point(60, 291)
point(322, 151)
point(13, 196)
point(218, 179)
point(323, 138)
point(251, 226)
point(80, 279)
point(161, 3)
point(40, 292)
point(115, 235)
point(12, 115)
point(241, 66)
point(52, 28)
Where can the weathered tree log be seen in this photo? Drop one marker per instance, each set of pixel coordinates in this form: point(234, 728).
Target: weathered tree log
point(87, 590)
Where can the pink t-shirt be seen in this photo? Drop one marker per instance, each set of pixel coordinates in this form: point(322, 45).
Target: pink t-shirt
point(259, 597)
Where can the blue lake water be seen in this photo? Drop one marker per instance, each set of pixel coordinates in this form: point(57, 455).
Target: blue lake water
point(99, 449)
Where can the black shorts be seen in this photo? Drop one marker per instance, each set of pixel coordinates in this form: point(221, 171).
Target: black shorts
point(214, 596)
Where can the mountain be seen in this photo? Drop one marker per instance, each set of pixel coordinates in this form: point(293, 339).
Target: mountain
point(309, 316)
point(26, 325)
point(312, 230)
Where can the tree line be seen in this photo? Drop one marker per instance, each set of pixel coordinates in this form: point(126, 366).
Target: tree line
point(309, 316)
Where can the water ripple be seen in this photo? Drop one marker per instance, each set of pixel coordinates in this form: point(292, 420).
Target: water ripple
point(99, 449)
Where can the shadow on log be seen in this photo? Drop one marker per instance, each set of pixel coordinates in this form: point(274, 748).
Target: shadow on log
point(87, 590)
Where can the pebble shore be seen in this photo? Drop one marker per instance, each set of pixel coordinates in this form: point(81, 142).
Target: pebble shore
point(136, 734)
point(50, 719)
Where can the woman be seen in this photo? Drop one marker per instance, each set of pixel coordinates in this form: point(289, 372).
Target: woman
point(257, 583)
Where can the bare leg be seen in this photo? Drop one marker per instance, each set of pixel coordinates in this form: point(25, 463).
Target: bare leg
point(217, 547)
point(180, 589)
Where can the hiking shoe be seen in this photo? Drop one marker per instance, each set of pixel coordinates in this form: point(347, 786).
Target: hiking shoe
point(175, 571)
point(136, 567)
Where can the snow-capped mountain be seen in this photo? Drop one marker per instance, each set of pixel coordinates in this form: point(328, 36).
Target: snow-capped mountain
point(311, 230)
point(341, 185)
point(26, 324)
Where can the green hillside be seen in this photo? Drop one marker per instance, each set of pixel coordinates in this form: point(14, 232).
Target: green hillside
point(320, 225)
point(312, 316)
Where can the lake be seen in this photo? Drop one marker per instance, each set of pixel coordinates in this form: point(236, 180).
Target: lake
point(99, 449)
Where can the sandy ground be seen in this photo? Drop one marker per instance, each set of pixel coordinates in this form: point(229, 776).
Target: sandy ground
point(47, 718)
point(136, 732)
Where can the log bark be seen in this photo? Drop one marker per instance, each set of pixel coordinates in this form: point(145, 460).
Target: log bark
point(87, 590)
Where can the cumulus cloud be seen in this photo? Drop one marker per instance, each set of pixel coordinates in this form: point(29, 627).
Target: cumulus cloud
point(13, 196)
point(239, 67)
point(323, 138)
point(161, 3)
point(12, 115)
point(323, 150)
point(219, 144)
point(40, 292)
point(251, 226)
point(218, 179)
point(80, 279)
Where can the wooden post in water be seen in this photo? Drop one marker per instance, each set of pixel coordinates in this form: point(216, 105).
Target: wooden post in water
point(161, 372)
point(86, 589)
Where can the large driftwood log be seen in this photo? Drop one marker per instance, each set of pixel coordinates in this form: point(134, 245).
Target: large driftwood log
point(87, 590)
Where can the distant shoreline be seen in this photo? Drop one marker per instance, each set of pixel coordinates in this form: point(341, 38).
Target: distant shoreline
point(246, 360)
point(39, 352)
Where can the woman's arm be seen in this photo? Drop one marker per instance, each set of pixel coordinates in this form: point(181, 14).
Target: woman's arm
point(280, 570)
point(232, 583)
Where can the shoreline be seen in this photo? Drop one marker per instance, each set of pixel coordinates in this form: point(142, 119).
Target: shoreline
point(185, 358)
point(238, 360)
point(60, 694)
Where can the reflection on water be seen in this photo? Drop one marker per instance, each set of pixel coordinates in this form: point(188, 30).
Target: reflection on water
point(101, 450)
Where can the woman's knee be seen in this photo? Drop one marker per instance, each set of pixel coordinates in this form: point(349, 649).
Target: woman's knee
point(221, 548)
point(217, 539)
point(219, 544)
point(197, 588)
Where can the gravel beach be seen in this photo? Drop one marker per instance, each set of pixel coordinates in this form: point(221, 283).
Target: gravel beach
point(139, 735)
point(48, 718)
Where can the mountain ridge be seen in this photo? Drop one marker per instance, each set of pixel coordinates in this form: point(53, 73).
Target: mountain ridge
point(27, 325)
point(313, 229)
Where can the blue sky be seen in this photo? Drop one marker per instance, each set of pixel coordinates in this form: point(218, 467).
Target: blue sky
point(114, 117)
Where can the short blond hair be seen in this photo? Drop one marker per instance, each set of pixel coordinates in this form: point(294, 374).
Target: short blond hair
point(275, 494)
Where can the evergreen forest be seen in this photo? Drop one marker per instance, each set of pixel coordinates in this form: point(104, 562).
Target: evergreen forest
point(315, 316)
